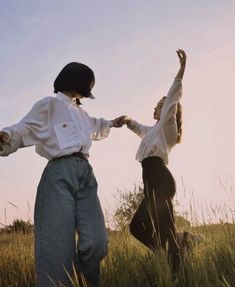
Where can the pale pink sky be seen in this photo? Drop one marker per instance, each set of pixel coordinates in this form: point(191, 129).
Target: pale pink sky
point(131, 48)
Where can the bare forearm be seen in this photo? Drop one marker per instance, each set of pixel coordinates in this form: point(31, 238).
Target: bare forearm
point(180, 73)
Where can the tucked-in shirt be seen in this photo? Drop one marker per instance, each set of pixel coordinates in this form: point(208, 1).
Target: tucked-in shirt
point(158, 140)
point(57, 127)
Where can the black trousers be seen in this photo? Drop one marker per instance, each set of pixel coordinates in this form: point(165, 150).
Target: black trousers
point(153, 223)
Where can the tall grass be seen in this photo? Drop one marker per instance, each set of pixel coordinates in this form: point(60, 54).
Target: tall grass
point(212, 263)
point(129, 264)
point(16, 260)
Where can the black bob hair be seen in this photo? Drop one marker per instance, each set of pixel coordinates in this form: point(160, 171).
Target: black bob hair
point(75, 77)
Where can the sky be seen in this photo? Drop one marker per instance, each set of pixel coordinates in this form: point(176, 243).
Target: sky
point(130, 45)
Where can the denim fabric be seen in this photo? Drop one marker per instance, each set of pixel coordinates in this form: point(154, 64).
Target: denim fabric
point(67, 202)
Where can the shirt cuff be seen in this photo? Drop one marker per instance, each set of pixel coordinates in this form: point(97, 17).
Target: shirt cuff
point(110, 124)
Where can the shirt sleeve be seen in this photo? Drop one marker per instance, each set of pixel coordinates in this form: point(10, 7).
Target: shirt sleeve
point(100, 128)
point(31, 130)
point(173, 97)
point(138, 128)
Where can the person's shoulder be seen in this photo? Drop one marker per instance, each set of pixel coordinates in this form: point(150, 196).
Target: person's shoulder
point(82, 111)
point(44, 100)
point(43, 103)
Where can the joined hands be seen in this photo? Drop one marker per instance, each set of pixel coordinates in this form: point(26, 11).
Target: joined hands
point(120, 121)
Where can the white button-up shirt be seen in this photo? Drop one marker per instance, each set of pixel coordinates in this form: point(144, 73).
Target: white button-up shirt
point(158, 140)
point(57, 127)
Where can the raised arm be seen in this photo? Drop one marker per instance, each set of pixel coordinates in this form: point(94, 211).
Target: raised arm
point(182, 57)
point(169, 108)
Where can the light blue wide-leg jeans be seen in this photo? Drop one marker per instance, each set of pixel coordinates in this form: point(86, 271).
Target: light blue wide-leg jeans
point(67, 202)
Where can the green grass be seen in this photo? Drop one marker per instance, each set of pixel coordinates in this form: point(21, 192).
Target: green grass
point(128, 263)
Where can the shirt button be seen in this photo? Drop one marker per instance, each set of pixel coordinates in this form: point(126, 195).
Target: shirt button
point(64, 126)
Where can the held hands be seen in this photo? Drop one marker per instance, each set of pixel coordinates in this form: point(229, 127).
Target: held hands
point(120, 121)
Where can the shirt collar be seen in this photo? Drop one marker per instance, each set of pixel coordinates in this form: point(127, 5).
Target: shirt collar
point(67, 100)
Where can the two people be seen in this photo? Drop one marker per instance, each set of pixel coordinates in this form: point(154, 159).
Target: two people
point(67, 200)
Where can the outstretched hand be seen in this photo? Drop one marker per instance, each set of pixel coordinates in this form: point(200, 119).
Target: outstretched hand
point(182, 56)
point(4, 137)
point(120, 121)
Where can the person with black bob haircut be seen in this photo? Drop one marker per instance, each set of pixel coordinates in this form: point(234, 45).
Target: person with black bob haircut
point(75, 77)
point(67, 200)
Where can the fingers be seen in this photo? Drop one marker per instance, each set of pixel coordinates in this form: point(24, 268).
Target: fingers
point(1, 137)
point(123, 120)
point(182, 57)
point(120, 121)
point(127, 120)
point(181, 54)
point(4, 137)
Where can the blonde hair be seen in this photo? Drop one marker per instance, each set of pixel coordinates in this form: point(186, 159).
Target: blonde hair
point(179, 122)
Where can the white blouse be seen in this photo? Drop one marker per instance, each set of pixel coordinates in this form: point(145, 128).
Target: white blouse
point(158, 140)
point(57, 127)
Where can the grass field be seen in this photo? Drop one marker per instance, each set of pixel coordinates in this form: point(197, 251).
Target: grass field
point(212, 263)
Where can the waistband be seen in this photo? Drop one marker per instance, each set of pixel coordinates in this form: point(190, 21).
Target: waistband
point(75, 154)
point(153, 159)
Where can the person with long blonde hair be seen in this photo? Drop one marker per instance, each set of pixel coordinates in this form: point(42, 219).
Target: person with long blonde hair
point(153, 223)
